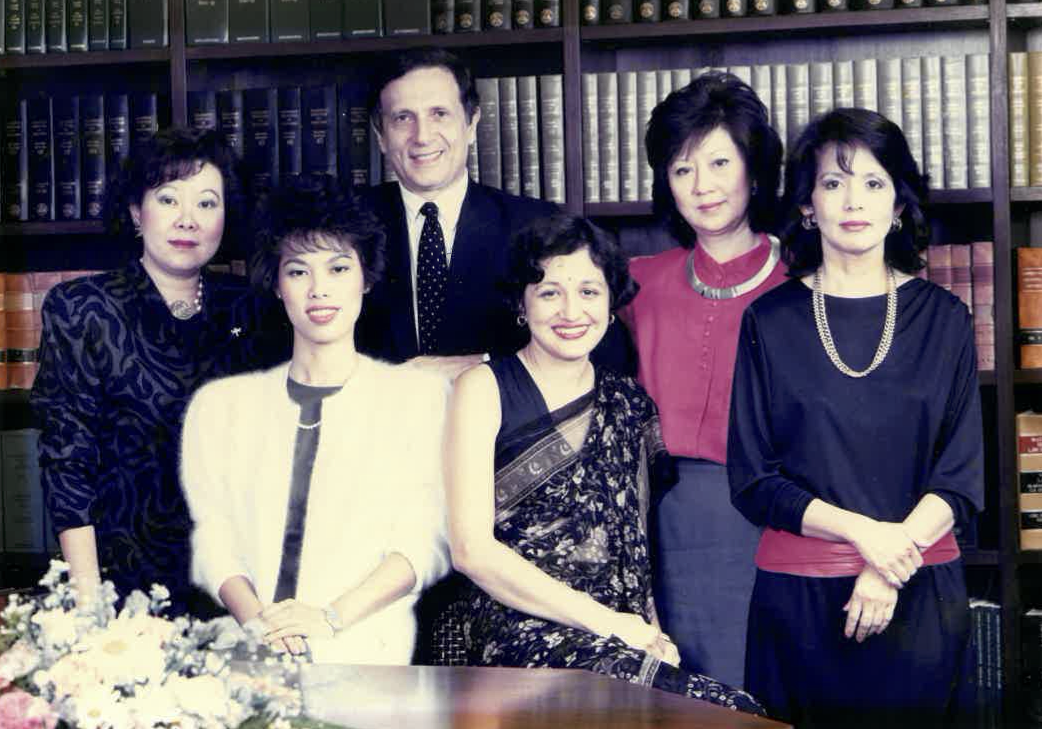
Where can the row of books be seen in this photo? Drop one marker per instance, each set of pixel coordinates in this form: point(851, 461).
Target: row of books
point(941, 103)
point(986, 639)
point(56, 153)
point(968, 271)
point(290, 130)
point(1029, 306)
point(60, 26)
point(24, 526)
point(1025, 118)
point(209, 22)
point(610, 12)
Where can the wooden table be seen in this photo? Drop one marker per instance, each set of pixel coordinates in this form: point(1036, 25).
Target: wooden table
point(429, 697)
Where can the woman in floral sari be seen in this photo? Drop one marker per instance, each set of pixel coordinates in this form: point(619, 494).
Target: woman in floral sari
point(548, 467)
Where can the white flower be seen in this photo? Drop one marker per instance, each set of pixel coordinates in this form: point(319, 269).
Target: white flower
point(99, 708)
point(128, 650)
point(57, 627)
point(152, 705)
point(205, 697)
point(17, 661)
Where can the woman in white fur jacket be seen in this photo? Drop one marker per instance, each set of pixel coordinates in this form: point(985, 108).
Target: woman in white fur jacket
point(315, 486)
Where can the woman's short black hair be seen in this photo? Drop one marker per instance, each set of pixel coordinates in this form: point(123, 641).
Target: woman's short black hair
point(559, 235)
point(715, 99)
point(849, 129)
point(305, 213)
point(395, 65)
point(170, 154)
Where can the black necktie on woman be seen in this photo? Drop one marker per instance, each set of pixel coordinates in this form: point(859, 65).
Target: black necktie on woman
point(432, 276)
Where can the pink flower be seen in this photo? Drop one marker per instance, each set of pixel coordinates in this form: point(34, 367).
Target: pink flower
point(19, 710)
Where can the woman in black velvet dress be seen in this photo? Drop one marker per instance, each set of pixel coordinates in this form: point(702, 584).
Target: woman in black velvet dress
point(855, 438)
point(121, 354)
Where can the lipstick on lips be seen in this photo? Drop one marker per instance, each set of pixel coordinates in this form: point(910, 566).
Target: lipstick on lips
point(572, 331)
point(182, 243)
point(321, 314)
point(854, 225)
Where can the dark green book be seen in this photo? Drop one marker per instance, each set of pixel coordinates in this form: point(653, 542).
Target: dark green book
point(3, 27)
point(248, 21)
point(648, 11)
point(468, 16)
point(289, 132)
point(229, 119)
point(733, 8)
point(202, 109)
point(289, 21)
point(353, 132)
point(41, 159)
point(706, 9)
point(97, 25)
point(675, 10)
point(117, 130)
point(590, 12)
point(144, 117)
point(327, 19)
point(76, 24)
point(318, 130)
point(499, 14)
point(117, 25)
point(617, 11)
point(363, 18)
point(547, 13)
point(260, 153)
point(148, 24)
point(408, 17)
point(762, 7)
point(54, 22)
point(443, 16)
point(35, 31)
point(206, 22)
point(798, 7)
point(14, 166)
point(92, 154)
point(524, 14)
point(66, 158)
point(14, 26)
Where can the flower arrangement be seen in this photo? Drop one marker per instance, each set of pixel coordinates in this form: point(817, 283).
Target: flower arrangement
point(97, 668)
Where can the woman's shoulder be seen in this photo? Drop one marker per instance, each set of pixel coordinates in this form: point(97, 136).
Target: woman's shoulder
point(792, 292)
point(403, 381)
point(89, 289)
point(643, 267)
point(246, 387)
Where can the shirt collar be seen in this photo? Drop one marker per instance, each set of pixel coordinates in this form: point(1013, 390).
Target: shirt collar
point(737, 269)
point(449, 201)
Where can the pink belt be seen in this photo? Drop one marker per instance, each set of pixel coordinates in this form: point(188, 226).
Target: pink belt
point(791, 554)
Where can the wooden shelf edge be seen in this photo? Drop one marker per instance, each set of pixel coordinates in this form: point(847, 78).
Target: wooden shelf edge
point(70, 227)
point(89, 58)
point(1026, 194)
point(375, 45)
point(1024, 10)
point(911, 17)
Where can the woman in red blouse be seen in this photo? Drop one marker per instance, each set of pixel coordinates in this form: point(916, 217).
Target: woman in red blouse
point(716, 162)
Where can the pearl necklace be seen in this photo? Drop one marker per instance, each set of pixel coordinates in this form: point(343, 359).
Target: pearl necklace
point(825, 335)
point(730, 292)
point(182, 310)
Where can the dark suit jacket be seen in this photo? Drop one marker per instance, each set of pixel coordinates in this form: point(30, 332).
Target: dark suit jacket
point(476, 316)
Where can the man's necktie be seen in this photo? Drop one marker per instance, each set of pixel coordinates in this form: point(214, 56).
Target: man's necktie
point(432, 276)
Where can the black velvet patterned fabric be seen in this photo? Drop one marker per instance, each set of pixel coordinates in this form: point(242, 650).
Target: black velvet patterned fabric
point(116, 373)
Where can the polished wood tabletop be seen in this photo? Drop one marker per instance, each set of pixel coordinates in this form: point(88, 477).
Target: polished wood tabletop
point(435, 697)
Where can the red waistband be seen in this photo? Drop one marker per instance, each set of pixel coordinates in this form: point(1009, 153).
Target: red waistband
point(811, 557)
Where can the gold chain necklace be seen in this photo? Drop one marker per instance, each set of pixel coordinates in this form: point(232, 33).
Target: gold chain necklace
point(825, 335)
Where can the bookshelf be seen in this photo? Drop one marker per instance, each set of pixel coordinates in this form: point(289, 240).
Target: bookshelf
point(572, 50)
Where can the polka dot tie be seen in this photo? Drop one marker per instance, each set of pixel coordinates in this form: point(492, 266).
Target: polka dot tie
point(432, 276)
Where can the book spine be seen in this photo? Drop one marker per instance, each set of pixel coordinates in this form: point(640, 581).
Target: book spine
point(229, 119)
point(92, 125)
point(797, 80)
point(248, 21)
point(1029, 467)
point(510, 143)
point(676, 10)
point(933, 124)
point(761, 85)
point(353, 133)
point(962, 274)
point(468, 16)
point(524, 14)
point(23, 495)
point(77, 25)
point(618, 11)
point(680, 77)
point(912, 106)
point(798, 7)
point(745, 73)
point(202, 109)
point(664, 84)
point(97, 24)
point(117, 25)
point(363, 19)
point(1019, 127)
point(35, 30)
point(148, 24)
point(499, 15)
point(408, 18)
point(590, 12)
point(144, 118)
point(733, 8)
point(983, 273)
point(1029, 306)
point(22, 341)
point(41, 159)
point(940, 266)
point(978, 120)
point(629, 137)
point(491, 171)
point(843, 75)
point(261, 140)
point(207, 22)
point(547, 13)
point(591, 137)
point(289, 128)
point(706, 9)
point(67, 167)
point(647, 98)
point(326, 19)
point(953, 112)
point(762, 8)
point(820, 87)
point(889, 82)
point(289, 21)
point(528, 134)
point(648, 11)
point(608, 134)
point(318, 130)
point(443, 16)
point(54, 13)
point(551, 120)
point(866, 88)
point(779, 103)
point(14, 172)
point(14, 26)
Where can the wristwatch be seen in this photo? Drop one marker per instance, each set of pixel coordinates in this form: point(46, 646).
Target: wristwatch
point(333, 618)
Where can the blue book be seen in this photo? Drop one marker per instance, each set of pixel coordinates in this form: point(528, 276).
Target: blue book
point(318, 129)
point(66, 112)
point(290, 162)
point(14, 166)
point(260, 138)
point(92, 154)
point(41, 159)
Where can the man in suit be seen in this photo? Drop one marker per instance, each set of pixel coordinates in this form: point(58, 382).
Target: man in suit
point(446, 234)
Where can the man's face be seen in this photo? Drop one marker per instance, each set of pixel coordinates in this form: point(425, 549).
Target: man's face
point(425, 131)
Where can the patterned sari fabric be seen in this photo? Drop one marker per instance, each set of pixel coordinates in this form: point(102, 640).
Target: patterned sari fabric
point(572, 493)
